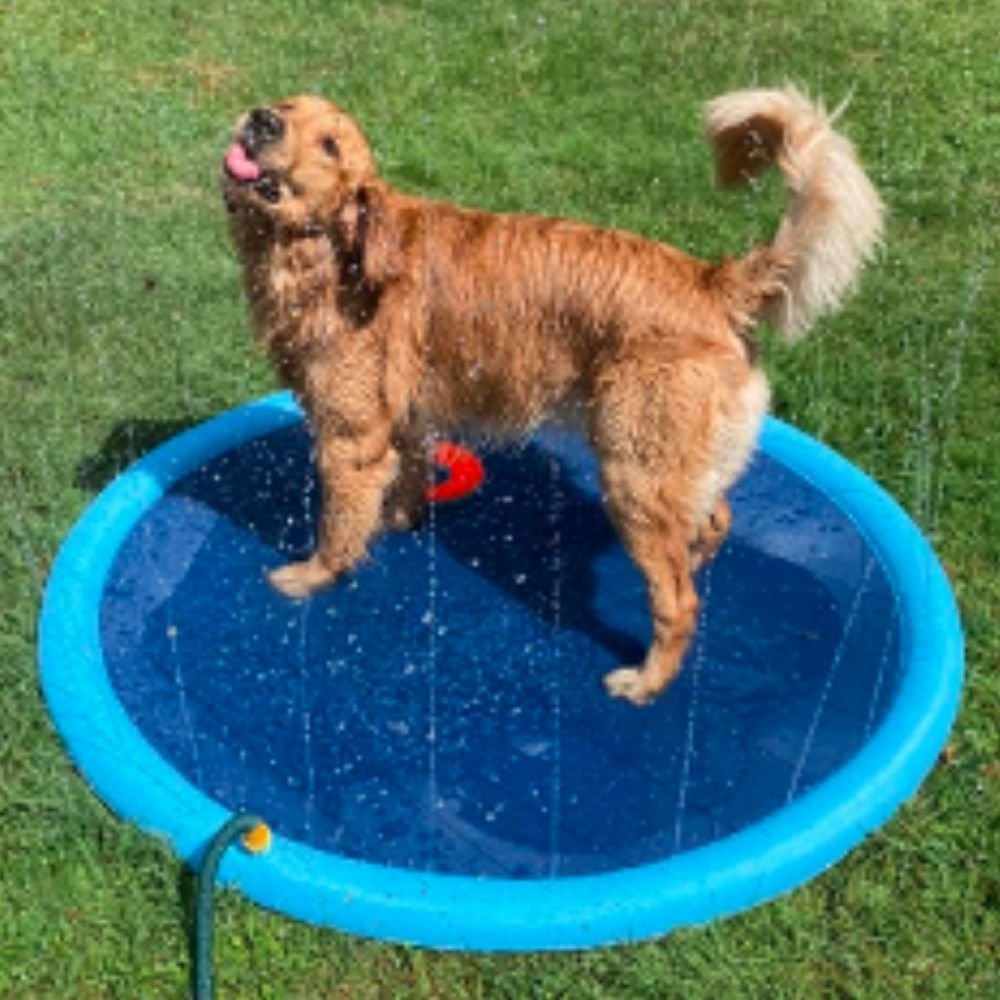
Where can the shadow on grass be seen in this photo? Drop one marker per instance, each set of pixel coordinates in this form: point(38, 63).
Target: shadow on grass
point(127, 442)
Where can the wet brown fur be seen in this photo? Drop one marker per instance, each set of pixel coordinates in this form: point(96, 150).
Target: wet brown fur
point(393, 317)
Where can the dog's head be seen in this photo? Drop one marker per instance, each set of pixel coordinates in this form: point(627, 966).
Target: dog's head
point(297, 163)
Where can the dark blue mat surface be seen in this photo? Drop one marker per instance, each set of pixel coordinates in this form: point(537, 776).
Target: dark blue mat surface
point(442, 708)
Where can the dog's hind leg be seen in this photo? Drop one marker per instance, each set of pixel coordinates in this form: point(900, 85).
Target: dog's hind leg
point(658, 531)
point(669, 446)
point(711, 533)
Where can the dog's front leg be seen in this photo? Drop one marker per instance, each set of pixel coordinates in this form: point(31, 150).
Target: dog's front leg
point(355, 473)
point(406, 498)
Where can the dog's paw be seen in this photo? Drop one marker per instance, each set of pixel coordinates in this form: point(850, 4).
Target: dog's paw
point(300, 580)
point(630, 684)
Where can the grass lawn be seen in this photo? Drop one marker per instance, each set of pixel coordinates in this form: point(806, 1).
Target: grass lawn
point(121, 319)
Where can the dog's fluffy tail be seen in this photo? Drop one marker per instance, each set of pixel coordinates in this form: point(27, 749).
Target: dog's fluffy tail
point(834, 222)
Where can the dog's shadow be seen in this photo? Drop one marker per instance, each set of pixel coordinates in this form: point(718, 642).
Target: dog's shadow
point(538, 536)
point(532, 530)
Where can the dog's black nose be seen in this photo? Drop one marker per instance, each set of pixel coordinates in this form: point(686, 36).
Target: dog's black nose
point(262, 127)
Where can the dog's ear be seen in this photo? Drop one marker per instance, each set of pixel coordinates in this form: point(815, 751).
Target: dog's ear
point(369, 237)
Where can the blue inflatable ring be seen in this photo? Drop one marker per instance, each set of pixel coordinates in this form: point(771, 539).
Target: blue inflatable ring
point(430, 741)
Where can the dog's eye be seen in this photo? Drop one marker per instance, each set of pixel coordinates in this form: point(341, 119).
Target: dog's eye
point(330, 146)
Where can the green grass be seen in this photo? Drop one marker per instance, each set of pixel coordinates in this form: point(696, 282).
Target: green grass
point(121, 319)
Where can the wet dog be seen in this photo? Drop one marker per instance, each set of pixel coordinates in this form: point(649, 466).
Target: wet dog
point(394, 317)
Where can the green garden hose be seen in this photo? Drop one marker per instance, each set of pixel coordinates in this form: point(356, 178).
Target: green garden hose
point(256, 838)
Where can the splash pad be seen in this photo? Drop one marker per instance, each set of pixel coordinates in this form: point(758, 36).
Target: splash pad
point(430, 741)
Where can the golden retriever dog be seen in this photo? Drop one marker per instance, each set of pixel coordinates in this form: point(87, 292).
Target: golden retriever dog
point(395, 318)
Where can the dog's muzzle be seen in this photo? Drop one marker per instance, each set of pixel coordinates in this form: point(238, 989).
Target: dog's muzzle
point(261, 128)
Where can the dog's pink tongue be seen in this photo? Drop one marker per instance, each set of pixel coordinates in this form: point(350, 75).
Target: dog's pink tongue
point(240, 165)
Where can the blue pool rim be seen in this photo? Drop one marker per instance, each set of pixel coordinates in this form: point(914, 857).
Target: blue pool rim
point(758, 863)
